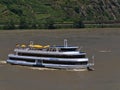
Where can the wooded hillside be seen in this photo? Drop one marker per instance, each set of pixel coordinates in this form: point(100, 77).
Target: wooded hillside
point(39, 12)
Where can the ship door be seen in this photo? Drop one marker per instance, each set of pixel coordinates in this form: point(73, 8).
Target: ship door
point(38, 62)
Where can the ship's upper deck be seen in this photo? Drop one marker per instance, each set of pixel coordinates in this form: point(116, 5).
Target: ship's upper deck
point(64, 49)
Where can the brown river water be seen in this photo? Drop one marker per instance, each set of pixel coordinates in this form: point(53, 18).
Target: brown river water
point(104, 44)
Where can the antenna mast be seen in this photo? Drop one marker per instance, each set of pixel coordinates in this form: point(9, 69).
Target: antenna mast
point(65, 43)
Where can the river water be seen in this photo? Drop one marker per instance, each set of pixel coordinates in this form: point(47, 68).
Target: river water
point(104, 44)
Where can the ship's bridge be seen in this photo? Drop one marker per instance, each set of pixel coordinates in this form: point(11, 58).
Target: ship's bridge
point(66, 49)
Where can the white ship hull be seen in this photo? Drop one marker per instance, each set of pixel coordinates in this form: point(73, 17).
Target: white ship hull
point(39, 61)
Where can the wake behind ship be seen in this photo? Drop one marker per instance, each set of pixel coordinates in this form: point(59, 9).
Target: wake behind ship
point(62, 57)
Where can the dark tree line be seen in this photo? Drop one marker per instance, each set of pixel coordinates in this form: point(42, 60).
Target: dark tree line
point(33, 24)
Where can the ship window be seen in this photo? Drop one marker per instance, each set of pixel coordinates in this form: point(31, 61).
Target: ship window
point(56, 56)
point(65, 62)
point(22, 59)
point(67, 49)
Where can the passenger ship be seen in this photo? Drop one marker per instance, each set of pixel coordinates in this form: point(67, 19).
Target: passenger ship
point(62, 57)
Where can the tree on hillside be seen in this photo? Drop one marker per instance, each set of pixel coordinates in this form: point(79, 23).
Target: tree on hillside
point(23, 23)
point(50, 24)
point(33, 23)
point(78, 24)
point(9, 25)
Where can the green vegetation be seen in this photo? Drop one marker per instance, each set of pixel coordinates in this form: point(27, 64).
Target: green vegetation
point(51, 14)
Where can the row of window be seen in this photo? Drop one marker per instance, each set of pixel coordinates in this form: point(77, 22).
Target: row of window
point(65, 62)
point(47, 55)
